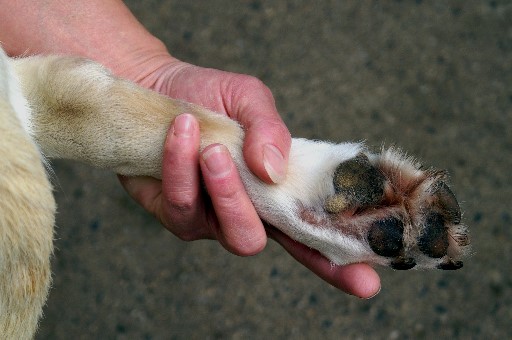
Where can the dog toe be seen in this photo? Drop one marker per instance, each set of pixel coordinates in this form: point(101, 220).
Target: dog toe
point(434, 240)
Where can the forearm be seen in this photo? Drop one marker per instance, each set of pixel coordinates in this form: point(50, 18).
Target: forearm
point(102, 30)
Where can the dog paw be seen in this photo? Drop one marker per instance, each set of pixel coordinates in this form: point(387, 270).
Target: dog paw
point(393, 212)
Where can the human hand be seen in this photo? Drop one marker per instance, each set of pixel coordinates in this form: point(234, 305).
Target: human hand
point(227, 214)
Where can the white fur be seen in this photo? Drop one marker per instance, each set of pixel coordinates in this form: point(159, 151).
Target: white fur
point(11, 87)
point(308, 184)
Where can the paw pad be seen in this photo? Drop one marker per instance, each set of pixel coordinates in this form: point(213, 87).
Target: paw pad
point(386, 237)
point(406, 215)
point(434, 240)
point(357, 183)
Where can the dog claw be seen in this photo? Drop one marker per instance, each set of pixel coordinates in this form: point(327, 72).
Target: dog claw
point(450, 265)
point(448, 203)
point(405, 263)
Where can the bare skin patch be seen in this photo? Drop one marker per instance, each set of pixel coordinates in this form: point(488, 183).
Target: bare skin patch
point(345, 223)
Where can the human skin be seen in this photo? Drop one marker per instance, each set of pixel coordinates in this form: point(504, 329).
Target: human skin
point(106, 31)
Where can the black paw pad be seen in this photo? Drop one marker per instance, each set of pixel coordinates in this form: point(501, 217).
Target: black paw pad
point(448, 203)
point(386, 237)
point(434, 240)
point(450, 265)
point(403, 263)
point(358, 183)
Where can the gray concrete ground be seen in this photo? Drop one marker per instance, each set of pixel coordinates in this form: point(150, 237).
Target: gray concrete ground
point(433, 77)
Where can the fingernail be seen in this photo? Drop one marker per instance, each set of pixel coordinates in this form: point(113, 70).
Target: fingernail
point(183, 125)
point(274, 163)
point(217, 160)
point(374, 295)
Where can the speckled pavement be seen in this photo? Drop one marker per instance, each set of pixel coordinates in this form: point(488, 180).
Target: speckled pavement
point(432, 77)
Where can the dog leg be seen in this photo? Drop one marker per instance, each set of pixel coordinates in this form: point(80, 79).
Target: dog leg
point(351, 205)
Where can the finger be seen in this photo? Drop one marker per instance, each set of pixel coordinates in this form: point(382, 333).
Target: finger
point(144, 190)
point(356, 279)
point(267, 139)
point(240, 230)
point(182, 209)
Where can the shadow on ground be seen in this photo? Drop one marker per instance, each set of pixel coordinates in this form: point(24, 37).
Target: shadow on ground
point(432, 77)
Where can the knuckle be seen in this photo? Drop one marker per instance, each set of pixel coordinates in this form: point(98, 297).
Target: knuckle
point(228, 194)
point(250, 85)
point(181, 205)
point(187, 235)
point(247, 80)
point(181, 202)
point(278, 129)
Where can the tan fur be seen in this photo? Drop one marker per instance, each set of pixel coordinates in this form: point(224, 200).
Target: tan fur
point(26, 229)
point(82, 113)
point(77, 112)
